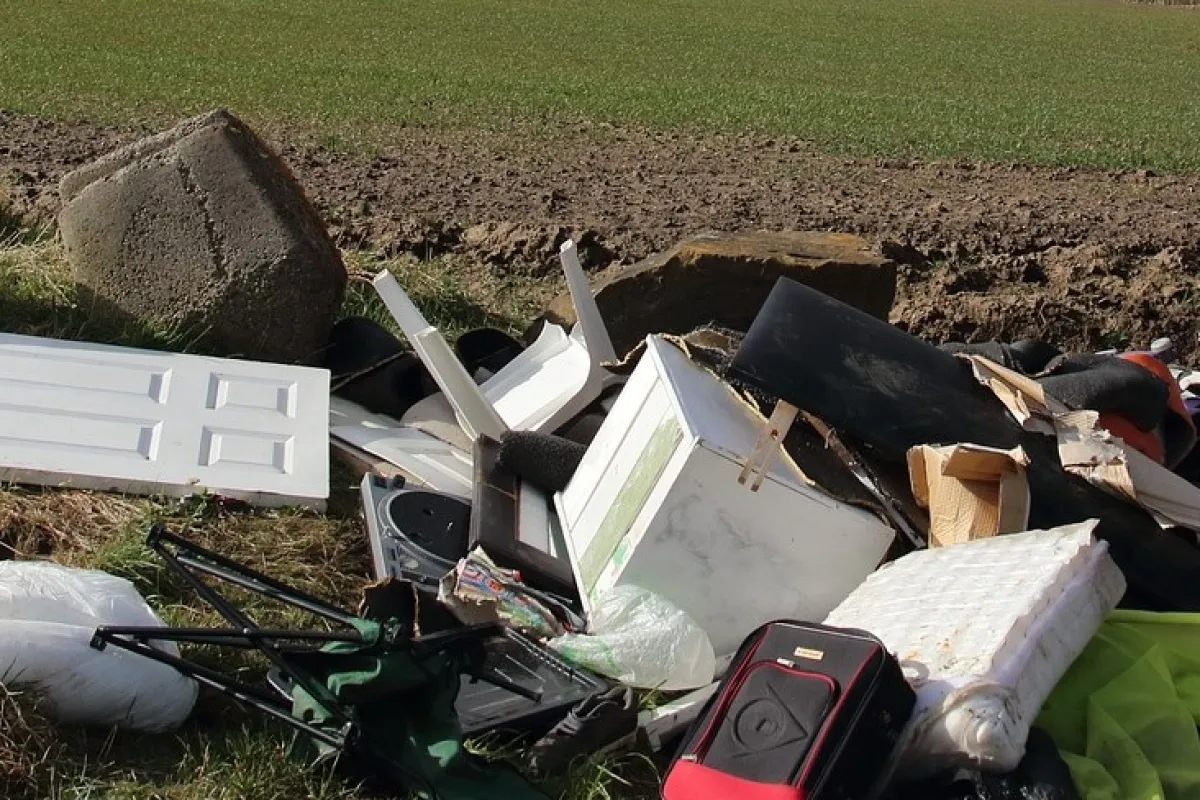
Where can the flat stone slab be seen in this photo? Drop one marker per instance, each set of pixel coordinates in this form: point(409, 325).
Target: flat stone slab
point(723, 279)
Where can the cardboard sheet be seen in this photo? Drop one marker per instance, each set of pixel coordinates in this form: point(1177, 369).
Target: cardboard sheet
point(1020, 394)
point(1092, 453)
point(972, 492)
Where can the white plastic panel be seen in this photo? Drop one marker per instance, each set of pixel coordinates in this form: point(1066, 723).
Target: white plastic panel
point(346, 412)
point(663, 723)
point(593, 489)
point(427, 459)
point(630, 404)
point(532, 388)
point(102, 417)
point(549, 383)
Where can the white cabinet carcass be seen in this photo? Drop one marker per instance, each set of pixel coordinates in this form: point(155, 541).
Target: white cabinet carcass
point(656, 502)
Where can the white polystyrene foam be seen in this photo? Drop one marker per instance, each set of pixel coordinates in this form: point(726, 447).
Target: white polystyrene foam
point(984, 630)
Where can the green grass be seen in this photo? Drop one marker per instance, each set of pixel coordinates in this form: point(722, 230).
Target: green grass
point(452, 292)
point(223, 752)
point(38, 298)
point(1023, 80)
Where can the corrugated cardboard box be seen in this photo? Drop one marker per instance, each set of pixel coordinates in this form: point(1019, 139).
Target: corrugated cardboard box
point(971, 491)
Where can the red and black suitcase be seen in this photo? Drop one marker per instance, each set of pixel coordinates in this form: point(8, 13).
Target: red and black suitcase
point(805, 712)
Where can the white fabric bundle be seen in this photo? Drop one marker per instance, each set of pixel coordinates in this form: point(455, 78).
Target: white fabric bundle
point(984, 630)
point(48, 614)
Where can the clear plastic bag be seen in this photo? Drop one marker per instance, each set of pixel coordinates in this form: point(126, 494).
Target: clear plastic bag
point(642, 640)
point(48, 614)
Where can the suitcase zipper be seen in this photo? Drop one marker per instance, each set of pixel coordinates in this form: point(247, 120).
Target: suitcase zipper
point(823, 778)
point(722, 696)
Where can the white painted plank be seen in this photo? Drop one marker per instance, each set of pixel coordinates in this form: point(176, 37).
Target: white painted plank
point(147, 422)
point(347, 412)
point(429, 460)
point(475, 414)
point(591, 322)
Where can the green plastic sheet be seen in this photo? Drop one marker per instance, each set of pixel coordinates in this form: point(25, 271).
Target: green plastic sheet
point(1124, 715)
point(405, 709)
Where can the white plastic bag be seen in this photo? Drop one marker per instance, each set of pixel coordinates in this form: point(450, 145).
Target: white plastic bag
point(48, 614)
point(642, 640)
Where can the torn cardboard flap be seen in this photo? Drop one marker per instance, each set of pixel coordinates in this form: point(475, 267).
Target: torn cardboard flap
point(1020, 394)
point(1087, 450)
point(1104, 460)
point(971, 491)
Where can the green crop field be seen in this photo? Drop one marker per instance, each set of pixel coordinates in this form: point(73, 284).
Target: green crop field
point(1021, 80)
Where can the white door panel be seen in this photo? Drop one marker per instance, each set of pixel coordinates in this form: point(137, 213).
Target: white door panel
point(102, 417)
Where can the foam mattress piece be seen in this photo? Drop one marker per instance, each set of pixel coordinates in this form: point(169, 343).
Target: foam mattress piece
point(984, 630)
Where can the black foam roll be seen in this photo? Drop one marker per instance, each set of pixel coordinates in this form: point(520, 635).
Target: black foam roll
point(545, 460)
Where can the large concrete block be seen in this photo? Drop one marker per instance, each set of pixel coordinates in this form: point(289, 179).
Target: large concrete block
point(724, 279)
point(204, 228)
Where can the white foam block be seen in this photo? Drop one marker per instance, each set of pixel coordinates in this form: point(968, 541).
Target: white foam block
point(984, 630)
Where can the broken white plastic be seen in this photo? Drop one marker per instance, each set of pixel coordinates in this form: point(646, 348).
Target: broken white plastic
point(474, 412)
point(541, 389)
point(559, 375)
point(587, 313)
point(549, 383)
point(420, 456)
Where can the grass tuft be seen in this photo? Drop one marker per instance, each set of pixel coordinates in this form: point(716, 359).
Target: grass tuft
point(39, 298)
point(626, 776)
point(453, 293)
point(616, 776)
point(38, 523)
point(30, 746)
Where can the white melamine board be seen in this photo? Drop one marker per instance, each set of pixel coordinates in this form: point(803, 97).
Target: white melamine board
point(419, 455)
point(428, 460)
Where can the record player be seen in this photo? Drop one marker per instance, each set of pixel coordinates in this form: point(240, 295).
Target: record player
point(416, 534)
